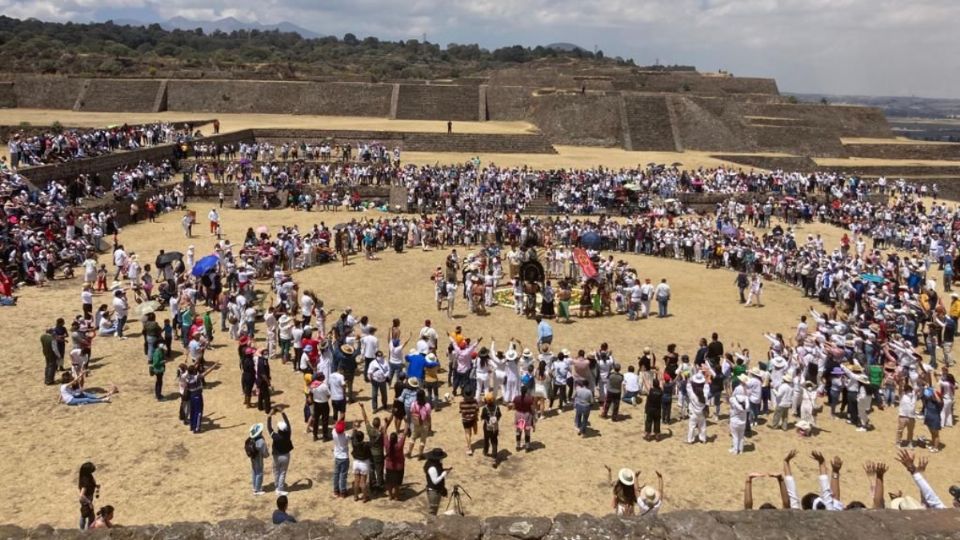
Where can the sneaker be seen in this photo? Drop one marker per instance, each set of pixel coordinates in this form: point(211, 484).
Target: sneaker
point(258, 493)
point(861, 429)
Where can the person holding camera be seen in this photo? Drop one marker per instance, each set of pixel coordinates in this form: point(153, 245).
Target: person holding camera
point(436, 478)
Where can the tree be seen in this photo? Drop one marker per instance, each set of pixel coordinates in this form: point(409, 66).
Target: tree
point(350, 39)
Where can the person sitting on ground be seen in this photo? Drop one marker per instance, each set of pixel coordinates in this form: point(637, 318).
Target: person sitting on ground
point(280, 515)
point(72, 393)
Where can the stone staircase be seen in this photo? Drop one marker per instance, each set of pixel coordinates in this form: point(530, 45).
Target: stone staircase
point(438, 102)
point(539, 206)
point(649, 123)
point(116, 95)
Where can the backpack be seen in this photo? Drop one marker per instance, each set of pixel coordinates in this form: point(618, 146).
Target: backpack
point(250, 448)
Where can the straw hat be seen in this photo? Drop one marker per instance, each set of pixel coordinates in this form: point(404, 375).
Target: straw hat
point(626, 476)
point(906, 503)
point(743, 378)
point(788, 378)
point(698, 378)
point(256, 430)
point(413, 382)
point(650, 496)
point(347, 349)
point(511, 355)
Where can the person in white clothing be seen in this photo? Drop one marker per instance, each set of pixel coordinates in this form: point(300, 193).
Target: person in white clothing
point(739, 404)
point(783, 401)
point(698, 395)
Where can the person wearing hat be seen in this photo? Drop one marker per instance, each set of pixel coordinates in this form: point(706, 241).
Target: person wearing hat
point(624, 491)
point(490, 416)
point(698, 396)
point(651, 499)
point(257, 450)
point(930, 498)
point(783, 401)
point(808, 403)
point(436, 476)
point(739, 407)
point(345, 362)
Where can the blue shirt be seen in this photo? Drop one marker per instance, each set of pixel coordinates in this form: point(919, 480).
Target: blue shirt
point(544, 330)
point(415, 365)
point(280, 517)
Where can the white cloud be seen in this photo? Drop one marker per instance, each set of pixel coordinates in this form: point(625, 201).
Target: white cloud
point(848, 46)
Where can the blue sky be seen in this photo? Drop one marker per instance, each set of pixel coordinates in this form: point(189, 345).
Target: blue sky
point(871, 47)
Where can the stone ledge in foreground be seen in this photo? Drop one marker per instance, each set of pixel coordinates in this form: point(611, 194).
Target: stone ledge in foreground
point(760, 524)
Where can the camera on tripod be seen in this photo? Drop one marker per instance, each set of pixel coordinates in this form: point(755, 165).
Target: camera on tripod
point(456, 498)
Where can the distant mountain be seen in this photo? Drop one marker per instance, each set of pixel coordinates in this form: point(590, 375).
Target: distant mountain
point(230, 24)
point(893, 106)
point(565, 47)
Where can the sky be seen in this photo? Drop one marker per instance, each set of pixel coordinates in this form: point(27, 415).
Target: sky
point(861, 47)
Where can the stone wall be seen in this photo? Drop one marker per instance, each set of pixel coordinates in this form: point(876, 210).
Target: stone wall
point(710, 124)
point(574, 119)
point(807, 141)
point(682, 525)
point(438, 102)
point(771, 163)
point(119, 95)
point(508, 103)
point(936, 152)
point(8, 95)
point(345, 99)
point(234, 96)
point(105, 164)
point(649, 123)
point(46, 92)
point(415, 141)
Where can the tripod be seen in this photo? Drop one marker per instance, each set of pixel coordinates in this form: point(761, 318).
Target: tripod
point(456, 499)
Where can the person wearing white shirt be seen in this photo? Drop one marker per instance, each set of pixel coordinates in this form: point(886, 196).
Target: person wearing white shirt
point(285, 330)
point(631, 386)
point(783, 401)
point(739, 405)
point(378, 373)
point(662, 294)
point(307, 306)
point(270, 322)
point(120, 312)
point(698, 395)
point(369, 346)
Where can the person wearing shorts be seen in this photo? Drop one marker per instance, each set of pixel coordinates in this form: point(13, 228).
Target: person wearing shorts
point(420, 421)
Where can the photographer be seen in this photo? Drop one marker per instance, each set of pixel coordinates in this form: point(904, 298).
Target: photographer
point(436, 478)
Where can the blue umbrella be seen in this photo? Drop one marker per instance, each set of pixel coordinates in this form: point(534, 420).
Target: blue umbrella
point(205, 265)
point(872, 277)
point(590, 240)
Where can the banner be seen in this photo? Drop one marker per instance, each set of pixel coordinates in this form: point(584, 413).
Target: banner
point(586, 265)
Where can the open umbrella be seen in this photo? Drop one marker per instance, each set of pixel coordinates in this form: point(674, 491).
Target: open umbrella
point(633, 187)
point(168, 258)
point(339, 226)
point(872, 278)
point(268, 189)
point(676, 164)
point(146, 307)
point(205, 265)
point(652, 164)
point(590, 240)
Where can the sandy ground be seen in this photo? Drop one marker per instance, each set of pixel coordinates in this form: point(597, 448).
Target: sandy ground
point(579, 157)
point(153, 470)
point(855, 162)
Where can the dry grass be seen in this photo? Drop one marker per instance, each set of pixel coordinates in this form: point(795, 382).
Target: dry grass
point(152, 468)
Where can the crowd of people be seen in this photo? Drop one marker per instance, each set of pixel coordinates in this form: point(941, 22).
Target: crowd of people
point(855, 356)
point(28, 150)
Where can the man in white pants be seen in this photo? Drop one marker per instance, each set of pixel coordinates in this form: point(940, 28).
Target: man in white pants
point(738, 417)
point(698, 394)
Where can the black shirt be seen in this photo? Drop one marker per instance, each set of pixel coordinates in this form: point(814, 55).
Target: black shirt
point(654, 400)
